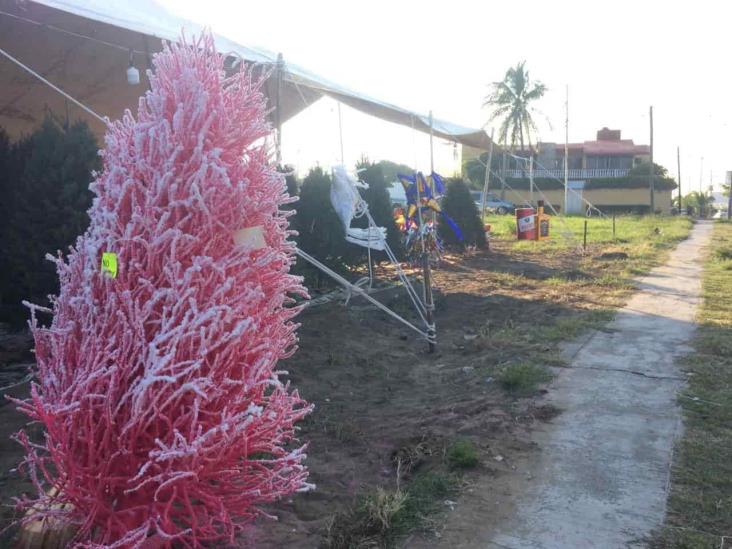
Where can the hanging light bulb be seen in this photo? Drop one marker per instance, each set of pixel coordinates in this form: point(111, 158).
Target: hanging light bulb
point(133, 75)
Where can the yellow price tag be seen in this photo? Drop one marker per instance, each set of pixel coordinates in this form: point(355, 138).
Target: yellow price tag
point(109, 264)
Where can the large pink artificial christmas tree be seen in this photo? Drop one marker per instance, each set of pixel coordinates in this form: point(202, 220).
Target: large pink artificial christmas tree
point(164, 416)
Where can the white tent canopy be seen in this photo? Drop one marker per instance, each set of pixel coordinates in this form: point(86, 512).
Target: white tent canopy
point(83, 46)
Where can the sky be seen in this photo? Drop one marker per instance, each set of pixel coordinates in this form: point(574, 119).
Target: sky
point(616, 58)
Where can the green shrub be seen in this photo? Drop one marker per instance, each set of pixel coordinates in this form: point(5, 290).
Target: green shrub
point(463, 454)
point(293, 185)
point(523, 378)
point(723, 254)
point(377, 197)
point(45, 191)
point(474, 170)
point(381, 518)
point(390, 170)
point(320, 230)
point(460, 206)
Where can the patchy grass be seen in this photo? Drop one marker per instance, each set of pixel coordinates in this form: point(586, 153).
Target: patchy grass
point(662, 231)
point(382, 517)
point(640, 243)
point(700, 504)
point(524, 378)
point(570, 327)
point(463, 454)
point(509, 309)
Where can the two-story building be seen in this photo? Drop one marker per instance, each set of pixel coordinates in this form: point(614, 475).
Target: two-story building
point(606, 156)
point(599, 173)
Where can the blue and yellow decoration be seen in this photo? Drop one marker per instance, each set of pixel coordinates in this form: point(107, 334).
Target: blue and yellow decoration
point(422, 197)
point(425, 192)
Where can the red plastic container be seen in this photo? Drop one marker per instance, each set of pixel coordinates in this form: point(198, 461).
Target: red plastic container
point(525, 224)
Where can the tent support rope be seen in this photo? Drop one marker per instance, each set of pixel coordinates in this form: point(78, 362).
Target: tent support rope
point(360, 291)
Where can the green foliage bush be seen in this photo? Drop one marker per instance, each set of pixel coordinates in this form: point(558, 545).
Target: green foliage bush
point(524, 378)
point(293, 185)
point(474, 170)
point(320, 231)
point(463, 454)
point(377, 197)
point(460, 206)
point(45, 196)
point(390, 170)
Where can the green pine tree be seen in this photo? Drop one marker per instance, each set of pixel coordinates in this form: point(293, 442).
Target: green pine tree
point(6, 154)
point(379, 201)
point(392, 169)
point(48, 196)
point(460, 206)
point(321, 232)
point(293, 186)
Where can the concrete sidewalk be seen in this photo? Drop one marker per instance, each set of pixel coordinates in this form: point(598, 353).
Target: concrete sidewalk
point(602, 478)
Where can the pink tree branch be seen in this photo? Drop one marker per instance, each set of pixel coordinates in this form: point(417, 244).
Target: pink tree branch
point(163, 412)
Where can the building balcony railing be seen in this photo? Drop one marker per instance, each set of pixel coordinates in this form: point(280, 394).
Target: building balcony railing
point(573, 174)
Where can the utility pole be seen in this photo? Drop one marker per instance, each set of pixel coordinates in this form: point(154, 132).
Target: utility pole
point(701, 188)
point(651, 174)
point(701, 176)
point(431, 180)
point(486, 180)
point(678, 174)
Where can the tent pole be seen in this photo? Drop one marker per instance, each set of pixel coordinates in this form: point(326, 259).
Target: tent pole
point(503, 173)
point(432, 167)
point(340, 133)
point(531, 180)
point(432, 146)
point(486, 179)
point(426, 271)
point(278, 113)
point(651, 170)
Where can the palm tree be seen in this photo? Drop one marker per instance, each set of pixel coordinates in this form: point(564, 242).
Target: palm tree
point(698, 200)
point(512, 102)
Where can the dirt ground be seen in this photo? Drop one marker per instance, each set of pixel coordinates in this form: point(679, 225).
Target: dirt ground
point(378, 393)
